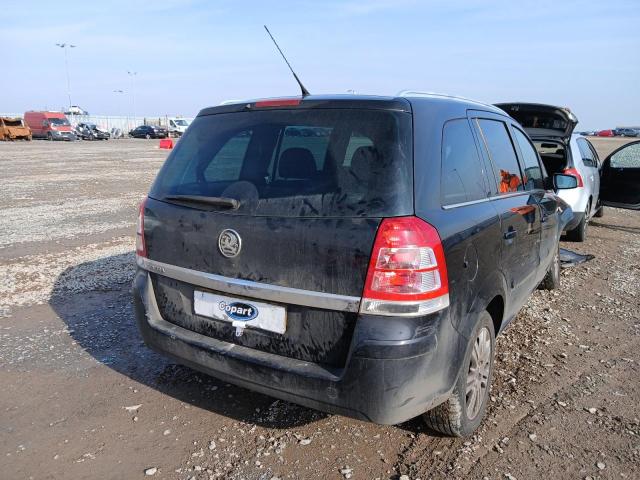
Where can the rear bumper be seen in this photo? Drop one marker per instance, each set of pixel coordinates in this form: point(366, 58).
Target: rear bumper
point(384, 381)
point(573, 223)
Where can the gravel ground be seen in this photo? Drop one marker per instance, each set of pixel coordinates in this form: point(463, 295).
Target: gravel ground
point(82, 396)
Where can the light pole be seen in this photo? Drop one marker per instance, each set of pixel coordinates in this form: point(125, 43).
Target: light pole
point(133, 93)
point(122, 92)
point(66, 46)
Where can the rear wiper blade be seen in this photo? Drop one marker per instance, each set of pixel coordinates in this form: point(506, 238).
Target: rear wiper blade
point(225, 202)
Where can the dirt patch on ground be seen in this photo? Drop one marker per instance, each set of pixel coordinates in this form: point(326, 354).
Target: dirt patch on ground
point(82, 397)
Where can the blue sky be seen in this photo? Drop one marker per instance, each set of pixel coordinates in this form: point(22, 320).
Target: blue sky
point(191, 54)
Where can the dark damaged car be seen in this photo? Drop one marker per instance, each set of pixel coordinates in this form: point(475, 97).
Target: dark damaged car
point(363, 271)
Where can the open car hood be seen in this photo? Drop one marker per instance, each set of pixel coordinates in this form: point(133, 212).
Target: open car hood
point(542, 121)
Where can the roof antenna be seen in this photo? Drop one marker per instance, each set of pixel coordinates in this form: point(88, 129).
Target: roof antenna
point(305, 92)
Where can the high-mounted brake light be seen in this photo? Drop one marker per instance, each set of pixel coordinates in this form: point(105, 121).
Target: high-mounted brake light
point(407, 273)
point(278, 102)
point(141, 245)
point(574, 173)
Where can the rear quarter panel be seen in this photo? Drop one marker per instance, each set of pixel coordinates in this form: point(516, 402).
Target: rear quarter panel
point(470, 234)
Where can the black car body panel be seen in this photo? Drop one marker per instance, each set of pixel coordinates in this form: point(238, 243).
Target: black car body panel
point(296, 247)
point(314, 261)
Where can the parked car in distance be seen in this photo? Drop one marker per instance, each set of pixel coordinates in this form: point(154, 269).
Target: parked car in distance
point(177, 126)
point(605, 133)
point(625, 132)
point(90, 131)
point(551, 130)
point(76, 110)
point(363, 270)
point(49, 125)
point(14, 129)
point(149, 131)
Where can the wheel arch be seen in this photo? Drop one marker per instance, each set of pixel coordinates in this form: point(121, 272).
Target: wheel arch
point(495, 308)
point(491, 296)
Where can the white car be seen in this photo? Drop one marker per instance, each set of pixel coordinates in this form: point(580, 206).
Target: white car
point(177, 126)
point(76, 110)
point(551, 129)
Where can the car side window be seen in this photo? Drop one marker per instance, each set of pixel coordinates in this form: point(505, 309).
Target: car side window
point(463, 175)
point(586, 153)
point(596, 159)
point(532, 178)
point(503, 156)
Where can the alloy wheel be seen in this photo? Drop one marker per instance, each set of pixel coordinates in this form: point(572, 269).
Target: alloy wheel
point(479, 370)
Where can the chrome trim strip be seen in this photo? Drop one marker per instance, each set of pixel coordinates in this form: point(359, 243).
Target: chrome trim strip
point(464, 204)
point(247, 288)
point(488, 199)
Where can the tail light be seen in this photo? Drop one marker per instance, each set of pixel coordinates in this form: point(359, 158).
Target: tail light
point(407, 273)
point(574, 173)
point(141, 246)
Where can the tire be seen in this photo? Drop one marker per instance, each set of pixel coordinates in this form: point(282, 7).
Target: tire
point(50, 137)
point(551, 280)
point(147, 136)
point(579, 234)
point(460, 416)
point(599, 213)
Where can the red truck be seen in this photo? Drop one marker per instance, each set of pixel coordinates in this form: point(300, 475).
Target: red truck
point(49, 125)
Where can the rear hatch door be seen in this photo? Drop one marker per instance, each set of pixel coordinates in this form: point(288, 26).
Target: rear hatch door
point(287, 198)
point(542, 121)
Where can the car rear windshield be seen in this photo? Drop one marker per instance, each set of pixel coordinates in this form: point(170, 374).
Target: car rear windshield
point(296, 162)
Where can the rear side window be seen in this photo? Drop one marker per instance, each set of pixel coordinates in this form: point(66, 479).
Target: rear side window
point(532, 171)
point(503, 156)
point(588, 156)
point(463, 176)
point(297, 162)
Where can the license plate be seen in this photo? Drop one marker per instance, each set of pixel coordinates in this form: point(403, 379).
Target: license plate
point(241, 313)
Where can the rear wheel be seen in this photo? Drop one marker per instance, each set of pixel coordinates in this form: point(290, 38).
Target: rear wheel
point(551, 280)
point(463, 411)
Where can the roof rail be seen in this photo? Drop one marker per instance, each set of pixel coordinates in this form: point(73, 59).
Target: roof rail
point(230, 102)
point(418, 93)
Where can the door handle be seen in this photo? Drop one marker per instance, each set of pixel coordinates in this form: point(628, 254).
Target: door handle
point(510, 235)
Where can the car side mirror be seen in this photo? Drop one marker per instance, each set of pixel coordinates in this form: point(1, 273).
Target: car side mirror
point(564, 182)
